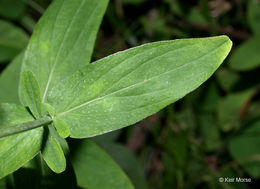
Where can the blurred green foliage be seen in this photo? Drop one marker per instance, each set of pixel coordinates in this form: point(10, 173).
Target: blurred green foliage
point(213, 132)
point(12, 9)
point(12, 41)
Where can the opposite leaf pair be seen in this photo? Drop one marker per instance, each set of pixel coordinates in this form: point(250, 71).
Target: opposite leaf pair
point(83, 100)
point(65, 35)
point(33, 100)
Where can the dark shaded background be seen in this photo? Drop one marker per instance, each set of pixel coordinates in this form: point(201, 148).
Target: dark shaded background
point(211, 133)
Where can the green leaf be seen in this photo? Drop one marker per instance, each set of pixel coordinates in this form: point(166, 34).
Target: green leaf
point(61, 127)
point(12, 8)
point(128, 86)
point(95, 169)
point(246, 56)
point(31, 93)
point(227, 78)
point(9, 81)
point(230, 107)
point(17, 149)
point(254, 16)
point(52, 152)
point(12, 40)
point(49, 109)
point(128, 162)
point(63, 40)
point(245, 149)
point(61, 45)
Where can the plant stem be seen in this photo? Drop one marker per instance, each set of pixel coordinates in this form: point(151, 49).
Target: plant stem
point(7, 131)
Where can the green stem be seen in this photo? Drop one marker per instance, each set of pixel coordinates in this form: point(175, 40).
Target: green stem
point(7, 131)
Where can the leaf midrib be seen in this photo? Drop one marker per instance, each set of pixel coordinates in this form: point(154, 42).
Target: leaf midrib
point(142, 64)
point(62, 43)
point(136, 84)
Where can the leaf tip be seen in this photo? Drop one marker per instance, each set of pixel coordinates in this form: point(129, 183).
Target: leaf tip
point(227, 41)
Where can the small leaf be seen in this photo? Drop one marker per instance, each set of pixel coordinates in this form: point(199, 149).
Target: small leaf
point(48, 109)
point(63, 41)
point(9, 81)
point(92, 165)
point(52, 152)
point(12, 41)
point(31, 93)
point(17, 149)
point(61, 127)
point(246, 56)
point(128, 86)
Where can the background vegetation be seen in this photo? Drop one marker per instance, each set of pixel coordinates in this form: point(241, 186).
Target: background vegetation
point(211, 133)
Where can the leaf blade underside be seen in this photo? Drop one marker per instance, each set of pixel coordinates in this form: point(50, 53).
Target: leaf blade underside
point(128, 86)
point(62, 41)
point(17, 149)
point(89, 159)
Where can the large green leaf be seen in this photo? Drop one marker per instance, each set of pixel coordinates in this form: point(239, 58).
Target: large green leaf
point(245, 149)
point(246, 56)
point(63, 40)
point(128, 86)
point(17, 149)
point(95, 169)
point(9, 81)
point(12, 41)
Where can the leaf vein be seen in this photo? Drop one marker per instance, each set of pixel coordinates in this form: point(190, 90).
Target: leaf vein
point(59, 50)
point(142, 82)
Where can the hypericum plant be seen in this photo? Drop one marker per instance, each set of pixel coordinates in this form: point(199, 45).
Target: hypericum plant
point(68, 97)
